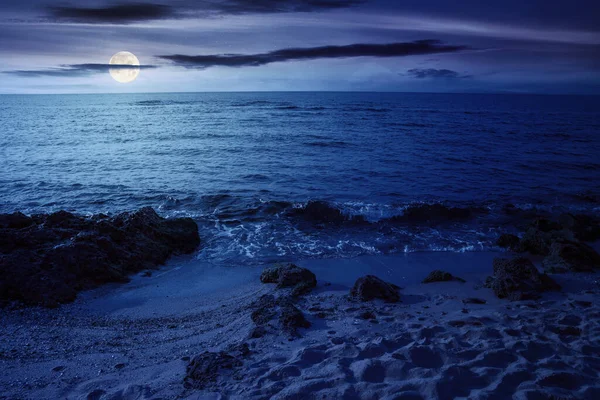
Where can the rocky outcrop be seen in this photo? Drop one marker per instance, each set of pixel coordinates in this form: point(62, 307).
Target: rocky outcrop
point(371, 287)
point(441, 276)
point(47, 259)
point(584, 227)
point(510, 242)
point(205, 368)
point(519, 279)
point(301, 280)
point(570, 256)
point(437, 214)
point(542, 233)
point(321, 212)
point(267, 308)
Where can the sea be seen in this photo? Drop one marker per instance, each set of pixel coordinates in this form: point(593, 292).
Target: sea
point(245, 165)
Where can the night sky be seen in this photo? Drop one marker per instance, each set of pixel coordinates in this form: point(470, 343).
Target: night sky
point(510, 46)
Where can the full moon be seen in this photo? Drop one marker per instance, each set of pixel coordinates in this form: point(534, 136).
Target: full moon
point(124, 75)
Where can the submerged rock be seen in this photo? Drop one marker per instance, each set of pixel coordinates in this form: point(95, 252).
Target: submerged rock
point(289, 275)
point(47, 259)
point(571, 257)
point(437, 214)
point(519, 279)
point(371, 287)
point(205, 368)
point(441, 276)
point(321, 212)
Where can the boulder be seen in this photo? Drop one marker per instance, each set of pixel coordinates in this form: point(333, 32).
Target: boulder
point(321, 212)
point(519, 279)
point(584, 227)
point(289, 275)
point(267, 308)
point(441, 276)
point(47, 259)
point(292, 318)
point(508, 241)
point(437, 214)
point(570, 256)
point(15, 220)
point(205, 368)
point(371, 287)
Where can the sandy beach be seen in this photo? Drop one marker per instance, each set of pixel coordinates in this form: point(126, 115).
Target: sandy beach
point(442, 340)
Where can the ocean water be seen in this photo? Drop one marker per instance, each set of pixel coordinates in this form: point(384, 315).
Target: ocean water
point(244, 164)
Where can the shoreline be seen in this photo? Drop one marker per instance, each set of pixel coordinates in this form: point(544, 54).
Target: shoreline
point(136, 339)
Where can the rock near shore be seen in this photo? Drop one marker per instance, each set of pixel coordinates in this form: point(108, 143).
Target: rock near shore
point(519, 279)
point(47, 259)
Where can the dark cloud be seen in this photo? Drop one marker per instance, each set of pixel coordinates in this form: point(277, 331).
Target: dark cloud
point(311, 53)
point(433, 73)
point(124, 13)
point(75, 70)
point(119, 13)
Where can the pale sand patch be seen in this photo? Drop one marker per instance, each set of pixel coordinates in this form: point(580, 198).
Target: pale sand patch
point(132, 341)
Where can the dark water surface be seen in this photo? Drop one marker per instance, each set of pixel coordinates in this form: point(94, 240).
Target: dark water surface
point(241, 163)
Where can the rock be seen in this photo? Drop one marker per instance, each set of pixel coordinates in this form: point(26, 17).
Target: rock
point(264, 309)
point(584, 227)
point(289, 275)
point(508, 241)
point(571, 256)
point(47, 259)
point(540, 235)
point(15, 220)
point(205, 368)
point(371, 287)
point(321, 212)
point(474, 300)
point(258, 332)
point(367, 315)
point(96, 394)
point(292, 318)
point(545, 225)
point(436, 214)
point(535, 242)
point(441, 276)
point(519, 279)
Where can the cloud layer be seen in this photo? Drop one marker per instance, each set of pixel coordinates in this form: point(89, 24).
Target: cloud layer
point(124, 13)
point(116, 14)
point(432, 73)
point(311, 53)
point(75, 70)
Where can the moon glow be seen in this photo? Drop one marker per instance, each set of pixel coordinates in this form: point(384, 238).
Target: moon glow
point(124, 74)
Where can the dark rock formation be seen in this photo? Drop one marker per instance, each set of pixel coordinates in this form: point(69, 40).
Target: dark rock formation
point(474, 300)
point(571, 256)
point(292, 318)
point(518, 279)
point(289, 275)
point(205, 368)
point(321, 212)
point(264, 309)
point(371, 287)
point(584, 227)
point(441, 276)
point(437, 214)
point(267, 308)
point(508, 241)
point(47, 259)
